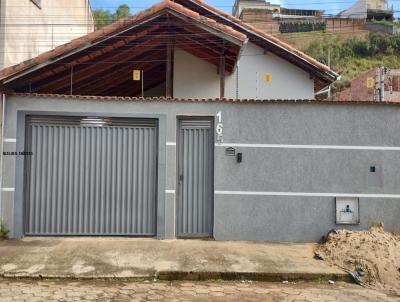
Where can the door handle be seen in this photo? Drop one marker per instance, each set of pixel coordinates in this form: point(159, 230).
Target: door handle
point(181, 177)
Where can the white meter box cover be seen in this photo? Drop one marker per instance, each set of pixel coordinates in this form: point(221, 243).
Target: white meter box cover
point(347, 210)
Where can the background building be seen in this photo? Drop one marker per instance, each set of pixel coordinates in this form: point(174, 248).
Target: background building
point(275, 19)
point(357, 21)
point(369, 9)
point(276, 9)
point(31, 27)
point(239, 6)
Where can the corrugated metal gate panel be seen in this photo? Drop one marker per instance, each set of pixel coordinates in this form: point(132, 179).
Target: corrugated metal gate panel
point(91, 180)
point(195, 166)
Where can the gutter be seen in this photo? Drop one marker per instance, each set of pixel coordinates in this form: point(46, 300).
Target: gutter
point(241, 51)
point(328, 89)
point(323, 91)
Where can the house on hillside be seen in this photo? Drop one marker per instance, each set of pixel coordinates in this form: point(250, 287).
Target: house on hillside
point(368, 10)
point(241, 6)
point(31, 27)
point(276, 19)
point(183, 121)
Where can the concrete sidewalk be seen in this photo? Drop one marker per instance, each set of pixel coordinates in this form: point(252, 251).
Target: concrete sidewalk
point(163, 259)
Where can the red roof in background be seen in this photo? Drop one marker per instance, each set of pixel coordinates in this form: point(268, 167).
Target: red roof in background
point(359, 91)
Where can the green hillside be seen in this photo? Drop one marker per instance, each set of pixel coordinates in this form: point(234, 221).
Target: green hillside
point(354, 56)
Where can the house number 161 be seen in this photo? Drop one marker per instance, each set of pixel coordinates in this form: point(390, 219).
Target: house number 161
point(219, 128)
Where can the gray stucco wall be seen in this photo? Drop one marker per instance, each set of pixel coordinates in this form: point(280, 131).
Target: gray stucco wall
point(296, 158)
point(387, 29)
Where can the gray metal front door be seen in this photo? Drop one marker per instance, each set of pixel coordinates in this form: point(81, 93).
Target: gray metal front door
point(91, 176)
point(195, 177)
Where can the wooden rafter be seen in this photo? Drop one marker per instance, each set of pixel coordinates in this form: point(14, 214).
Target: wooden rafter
point(214, 47)
point(168, 69)
point(126, 74)
point(88, 79)
point(128, 88)
point(93, 53)
point(107, 67)
point(86, 71)
point(198, 52)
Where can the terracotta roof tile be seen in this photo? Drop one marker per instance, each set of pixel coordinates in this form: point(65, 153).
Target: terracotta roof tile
point(115, 28)
point(157, 8)
point(265, 35)
point(211, 100)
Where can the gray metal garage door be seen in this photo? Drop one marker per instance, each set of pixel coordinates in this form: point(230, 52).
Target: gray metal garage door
point(91, 176)
point(195, 168)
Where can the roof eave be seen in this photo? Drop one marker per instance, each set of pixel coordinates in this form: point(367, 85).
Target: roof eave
point(237, 38)
point(331, 75)
point(12, 77)
point(210, 100)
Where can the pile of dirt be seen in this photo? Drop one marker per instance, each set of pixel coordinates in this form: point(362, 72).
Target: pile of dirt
point(373, 256)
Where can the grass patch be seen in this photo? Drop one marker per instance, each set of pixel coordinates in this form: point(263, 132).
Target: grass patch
point(351, 68)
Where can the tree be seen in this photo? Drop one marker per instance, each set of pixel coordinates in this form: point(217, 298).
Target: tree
point(104, 17)
point(123, 11)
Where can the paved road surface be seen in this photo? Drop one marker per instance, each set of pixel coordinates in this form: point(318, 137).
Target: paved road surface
point(27, 290)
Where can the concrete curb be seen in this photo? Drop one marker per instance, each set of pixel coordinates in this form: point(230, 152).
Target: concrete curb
point(253, 276)
point(73, 277)
point(194, 276)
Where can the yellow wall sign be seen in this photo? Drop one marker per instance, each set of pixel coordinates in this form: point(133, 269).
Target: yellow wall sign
point(267, 77)
point(136, 75)
point(370, 82)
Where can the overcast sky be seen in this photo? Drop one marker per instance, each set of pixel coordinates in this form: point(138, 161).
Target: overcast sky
point(330, 6)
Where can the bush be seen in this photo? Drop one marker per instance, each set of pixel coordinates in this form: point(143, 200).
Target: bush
point(287, 27)
point(396, 43)
point(3, 231)
point(380, 44)
point(354, 56)
point(374, 44)
point(357, 47)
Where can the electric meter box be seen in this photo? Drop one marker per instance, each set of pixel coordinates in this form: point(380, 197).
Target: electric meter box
point(347, 210)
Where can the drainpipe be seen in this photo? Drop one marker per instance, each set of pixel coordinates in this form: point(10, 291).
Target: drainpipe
point(237, 66)
point(3, 96)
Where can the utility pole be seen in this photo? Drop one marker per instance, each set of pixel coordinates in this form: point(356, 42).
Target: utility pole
point(329, 64)
point(382, 73)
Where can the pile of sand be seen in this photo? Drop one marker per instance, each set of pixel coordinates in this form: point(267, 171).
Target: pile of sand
point(375, 254)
